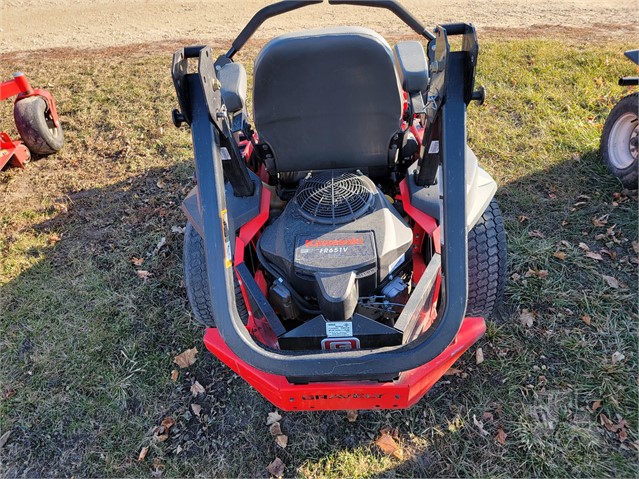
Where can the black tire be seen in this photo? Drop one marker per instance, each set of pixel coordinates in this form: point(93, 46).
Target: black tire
point(197, 284)
point(486, 263)
point(619, 140)
point(37, 131)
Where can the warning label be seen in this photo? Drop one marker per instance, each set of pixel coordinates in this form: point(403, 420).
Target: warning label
point(341, 329)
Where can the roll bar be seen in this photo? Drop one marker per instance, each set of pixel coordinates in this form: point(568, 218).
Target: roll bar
point(394, 7)
point(289, 5)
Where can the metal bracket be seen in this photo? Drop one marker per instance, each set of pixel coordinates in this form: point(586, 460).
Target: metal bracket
point(439, 50)
point(235, 168)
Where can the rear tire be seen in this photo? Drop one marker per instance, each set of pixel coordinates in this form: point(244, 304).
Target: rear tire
point(486, 263)
point(37, 131)
point(619, 140)
point(196, 281)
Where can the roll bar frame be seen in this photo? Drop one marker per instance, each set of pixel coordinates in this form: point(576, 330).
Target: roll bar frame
point(285, 6)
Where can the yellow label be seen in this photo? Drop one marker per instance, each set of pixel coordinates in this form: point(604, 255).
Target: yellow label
point(228, 254)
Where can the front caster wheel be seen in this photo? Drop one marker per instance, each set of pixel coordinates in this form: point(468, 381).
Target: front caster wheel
point(35, 126)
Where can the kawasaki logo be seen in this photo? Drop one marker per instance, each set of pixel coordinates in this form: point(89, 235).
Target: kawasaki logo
point(316, 397)
point(334, 242)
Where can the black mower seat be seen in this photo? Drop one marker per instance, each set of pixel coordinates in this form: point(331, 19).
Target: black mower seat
point(327, 99)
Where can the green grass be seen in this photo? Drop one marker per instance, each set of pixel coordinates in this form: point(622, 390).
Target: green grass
point(86, 346)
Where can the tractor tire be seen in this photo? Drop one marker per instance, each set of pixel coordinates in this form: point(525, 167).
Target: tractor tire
point(37, 131)
point(486, 263)
point(196, 281)
point(620, 140)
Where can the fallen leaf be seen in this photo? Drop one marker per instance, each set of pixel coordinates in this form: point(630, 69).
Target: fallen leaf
point(452, 372)
point(522, 218)
point(276, 468)
point(351, 415)
point(4, 438)
point(617, 357)
point(605, 422)
point(560, 255)
point(54, 238)
point(480, 426)
point(162, 437)
point(620, 425)
point(136, 261)
point(584, 247)
point(281, 440)
point(479, 356)
point(501, 436)
point(538, 273)
point(595, 405)
point(612, 254)
point(272, 418)
point(197, 388)
point(160, 184)
point(586, 319)
point(185, 358)
point(601, 221)
point(516, 277)
point(623, 435)
point(197, 409)
point(143, 453)
point(174, 375)
point(275, 429)
point(536, 234)
point(593, 255)
point(160, 245)
point(143, 275)
point(168, 423)
point(8, 393)
point(388, 445)
point(612, 282)
point(178, 229)
point(526, 318)
point(487, 416)
point(635, 246)
point(158, 468)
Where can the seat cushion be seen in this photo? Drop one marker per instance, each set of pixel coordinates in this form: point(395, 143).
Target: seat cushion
point(327, 99)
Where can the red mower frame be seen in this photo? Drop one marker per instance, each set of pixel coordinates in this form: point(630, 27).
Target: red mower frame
point(436, 333)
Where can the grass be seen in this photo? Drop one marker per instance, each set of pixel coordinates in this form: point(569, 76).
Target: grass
point(86, 346)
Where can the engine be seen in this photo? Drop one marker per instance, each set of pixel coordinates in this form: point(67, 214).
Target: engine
point(339, 239)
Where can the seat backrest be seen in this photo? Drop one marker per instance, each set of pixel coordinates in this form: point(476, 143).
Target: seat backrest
point(327, 99)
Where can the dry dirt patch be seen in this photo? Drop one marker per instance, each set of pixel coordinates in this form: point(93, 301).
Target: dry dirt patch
point(37, 24)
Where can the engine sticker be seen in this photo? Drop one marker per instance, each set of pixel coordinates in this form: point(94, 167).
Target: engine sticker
point(339, 329)
point(341, 245)
point(228, 253)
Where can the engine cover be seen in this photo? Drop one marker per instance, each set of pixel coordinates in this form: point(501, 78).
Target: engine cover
point(337, 240)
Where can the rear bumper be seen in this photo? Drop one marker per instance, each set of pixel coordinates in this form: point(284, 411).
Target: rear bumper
point(402, 393)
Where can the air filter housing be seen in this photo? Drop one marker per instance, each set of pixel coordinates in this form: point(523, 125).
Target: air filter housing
point(333, 198)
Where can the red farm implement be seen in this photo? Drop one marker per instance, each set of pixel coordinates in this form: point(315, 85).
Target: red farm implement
point(37, 122)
